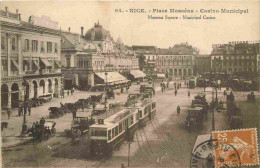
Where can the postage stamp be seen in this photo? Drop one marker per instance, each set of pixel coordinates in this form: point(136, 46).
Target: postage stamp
point(236, 148)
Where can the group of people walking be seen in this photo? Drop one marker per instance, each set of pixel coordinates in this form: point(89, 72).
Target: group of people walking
point(24, 108)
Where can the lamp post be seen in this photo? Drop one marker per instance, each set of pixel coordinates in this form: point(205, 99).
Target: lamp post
point(24, 126)
point(106, 94)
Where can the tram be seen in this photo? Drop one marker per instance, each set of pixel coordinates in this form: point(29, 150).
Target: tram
point(108, 134)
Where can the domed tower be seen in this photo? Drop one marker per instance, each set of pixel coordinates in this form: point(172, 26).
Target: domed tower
point(97, 33)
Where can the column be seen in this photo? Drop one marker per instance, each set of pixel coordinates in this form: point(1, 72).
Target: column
point(181, 72)
point(20, 60)
point(8, 35)
point(9, 98)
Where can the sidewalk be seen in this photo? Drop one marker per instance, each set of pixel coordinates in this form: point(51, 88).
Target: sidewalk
point(11, 134)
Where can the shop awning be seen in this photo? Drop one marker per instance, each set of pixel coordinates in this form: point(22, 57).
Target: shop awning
point(15, 64)
point(36, 63)
point(111, 76)
point(161, 75)
point(58, 63)
point(46, 62)
point(137, 73)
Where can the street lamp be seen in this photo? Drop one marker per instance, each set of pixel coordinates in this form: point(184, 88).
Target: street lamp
point(106, 94)
point(24, 126)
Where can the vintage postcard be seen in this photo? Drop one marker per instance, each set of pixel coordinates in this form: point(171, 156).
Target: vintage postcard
point(141, 84)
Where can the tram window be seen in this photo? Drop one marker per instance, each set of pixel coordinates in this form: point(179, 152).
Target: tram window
point(99, 133)
point(140, 114)
point(109, 134)
point(132, 119)
point(116, 130)
point(113, 132)
point(145, 110)
point(120, 127)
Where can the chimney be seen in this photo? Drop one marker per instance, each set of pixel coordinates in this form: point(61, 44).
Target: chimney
point(82, 30)
point(69, 29)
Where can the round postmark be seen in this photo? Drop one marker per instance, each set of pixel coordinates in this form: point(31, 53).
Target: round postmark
point(204, 154)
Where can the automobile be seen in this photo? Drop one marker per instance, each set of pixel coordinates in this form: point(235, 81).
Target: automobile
point(36, 102)
point(194, 118)
point(203, 106)
point(81, 125)
point(110, 94)
point(143, 88)
point(45, 98)
point(251, 97)
point(97, 87)
point(199, 101)
point(98, 111)
point(55, 112)
point(192, 83)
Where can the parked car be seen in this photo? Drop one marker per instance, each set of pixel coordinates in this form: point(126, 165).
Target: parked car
point(79, 126)
point(56, 112)
point(194, 118)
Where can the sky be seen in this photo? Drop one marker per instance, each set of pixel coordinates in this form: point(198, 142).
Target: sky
point(137, 29)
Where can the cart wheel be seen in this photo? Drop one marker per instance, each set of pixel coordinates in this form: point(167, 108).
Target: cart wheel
point(78, 133)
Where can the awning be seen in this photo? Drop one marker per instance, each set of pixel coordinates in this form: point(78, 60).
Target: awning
point(137, 73)
point(161, 75)
point(46, 62)
point(58, 63)
point(15, 64)
point(36, 63)
point(111, 76)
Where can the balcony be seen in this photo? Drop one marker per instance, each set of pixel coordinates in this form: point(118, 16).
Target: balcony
point(31, 72)
point(45, 71)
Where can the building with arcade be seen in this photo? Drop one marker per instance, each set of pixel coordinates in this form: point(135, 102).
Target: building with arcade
point(30, 58)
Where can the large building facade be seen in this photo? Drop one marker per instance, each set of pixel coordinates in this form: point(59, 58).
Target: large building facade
point(177, 61)
point(202, 64)
point(30, 58)
point(239, 58)
point(86, 57)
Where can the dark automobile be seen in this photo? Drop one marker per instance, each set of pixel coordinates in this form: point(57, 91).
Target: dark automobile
point(251, 97)
point(110, 94)
point(56, 112)
point(192, 83)
point(36, 102)
point(198, 101)
point(98, 111)
point(98, 87)
point(80, 125)
point(45, 98)
point(194, 118)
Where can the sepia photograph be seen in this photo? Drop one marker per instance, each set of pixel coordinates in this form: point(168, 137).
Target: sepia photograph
point(142, 84)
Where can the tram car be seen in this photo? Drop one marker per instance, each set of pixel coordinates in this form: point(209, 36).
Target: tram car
point(108, 134)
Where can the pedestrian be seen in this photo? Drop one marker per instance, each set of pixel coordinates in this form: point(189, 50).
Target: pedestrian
point(188, 93)
point(122, 89)
point(74, 113)
point(72, 90)
point(94, 105)
point(225, 93)
point(180, 85)
point(68, 92)
point(175, 92)
point(33, 131)
point(29, 108)
point(9, 112)
point(178, 110)
point(82, 105)
point(42, 121)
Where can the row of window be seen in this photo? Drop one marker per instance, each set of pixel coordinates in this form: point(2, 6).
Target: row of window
point(35, 45)
point(174, 63)
point(241, 57)
point(248, 63)
point(122, 126)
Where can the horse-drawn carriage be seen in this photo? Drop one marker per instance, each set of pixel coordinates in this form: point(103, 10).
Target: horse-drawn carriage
point(42, 132)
